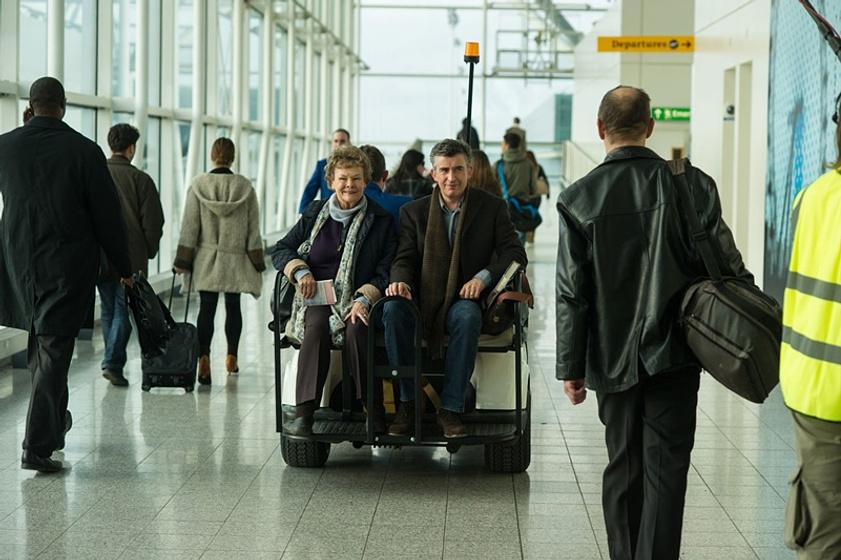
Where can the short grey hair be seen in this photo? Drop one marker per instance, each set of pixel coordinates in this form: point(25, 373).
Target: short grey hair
point(450, 148)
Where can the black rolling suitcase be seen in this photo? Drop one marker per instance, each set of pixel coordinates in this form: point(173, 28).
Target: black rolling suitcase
point(176, 366)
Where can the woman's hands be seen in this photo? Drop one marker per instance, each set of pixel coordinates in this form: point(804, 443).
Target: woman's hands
point(357, 311)
point(306, 286)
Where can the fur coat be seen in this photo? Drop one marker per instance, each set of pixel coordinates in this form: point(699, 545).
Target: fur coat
point(220, 235)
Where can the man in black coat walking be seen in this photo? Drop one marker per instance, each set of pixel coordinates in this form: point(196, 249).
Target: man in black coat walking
point(58, 206)
point(625, 257)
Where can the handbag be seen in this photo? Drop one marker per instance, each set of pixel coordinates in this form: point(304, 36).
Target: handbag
point(282, 305)
point(525, 217)
point(542, 187)
point(733, 328)
point(501, 313)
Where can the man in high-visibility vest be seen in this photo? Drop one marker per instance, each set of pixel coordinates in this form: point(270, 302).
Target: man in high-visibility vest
point(810, 368)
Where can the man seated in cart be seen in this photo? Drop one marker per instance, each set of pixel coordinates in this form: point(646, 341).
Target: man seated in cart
point(454, 245)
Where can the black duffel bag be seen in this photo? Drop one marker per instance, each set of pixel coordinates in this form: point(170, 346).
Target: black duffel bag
point(152, 319)
point(735, 331)
point(733, 328)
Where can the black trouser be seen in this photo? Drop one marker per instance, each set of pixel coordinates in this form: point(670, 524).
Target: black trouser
point(650, 432)
point(48, 358)
point(207, 316)
point(314, 356)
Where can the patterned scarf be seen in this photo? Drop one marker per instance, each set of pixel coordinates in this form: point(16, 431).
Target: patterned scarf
point(440, 267)
point(343, 283)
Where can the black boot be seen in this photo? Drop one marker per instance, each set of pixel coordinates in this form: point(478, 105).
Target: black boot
point(304, 419)
point(376, 416)
point(404, 420)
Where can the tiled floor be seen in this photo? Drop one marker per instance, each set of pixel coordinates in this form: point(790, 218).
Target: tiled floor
point(173, 475)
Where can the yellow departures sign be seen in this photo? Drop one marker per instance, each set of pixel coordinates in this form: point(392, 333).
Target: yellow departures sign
point(647, 43)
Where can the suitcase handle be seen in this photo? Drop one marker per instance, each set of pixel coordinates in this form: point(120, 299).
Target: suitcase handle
point(189, 289)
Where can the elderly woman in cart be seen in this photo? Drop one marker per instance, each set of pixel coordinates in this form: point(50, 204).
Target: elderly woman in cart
point(348, 240)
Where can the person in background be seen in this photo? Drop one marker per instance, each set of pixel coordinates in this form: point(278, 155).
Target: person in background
point(810, 368)
point(453, 246)
point(221, 247)
point(484, 176)
point(516, 173)
point(468, 135)
point(58, 206)
point(410, 178)
point(542, 179)
point(374, 188)
point(144, 218)
point(515, 129)
point(349, 239)
point(625, 257)
point(541, 188)
point(317, 185)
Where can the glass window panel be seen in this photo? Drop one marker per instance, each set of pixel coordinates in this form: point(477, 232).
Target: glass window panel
point(388, 121)
point(296, 173)
point(280, 86)
point(225, 59)
point(184, 60)
point(251, 160)
point(271, 198)
point(151, 139)
point(82, 120)
point(32, 41)
point(255, 63)
point(155, 23)
point(438, 51)
point(79, 46)
point(182, 132)
point(316, 91)
point(123, 48)
point(300, 53)
point(118, 118)
point(328, 90)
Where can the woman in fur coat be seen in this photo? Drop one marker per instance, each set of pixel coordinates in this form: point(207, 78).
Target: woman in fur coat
point(221, 247)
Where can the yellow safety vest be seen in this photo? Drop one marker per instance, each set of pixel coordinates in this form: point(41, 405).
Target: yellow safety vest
point(810, 358)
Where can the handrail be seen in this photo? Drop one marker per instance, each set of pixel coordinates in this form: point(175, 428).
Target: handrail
point(577, 162)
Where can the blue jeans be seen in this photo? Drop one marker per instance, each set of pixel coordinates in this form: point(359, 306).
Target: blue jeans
point(463, 324)
point(116, 328)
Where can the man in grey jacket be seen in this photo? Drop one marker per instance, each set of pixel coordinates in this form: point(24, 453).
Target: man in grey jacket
point(518, 174)
point(144, 219)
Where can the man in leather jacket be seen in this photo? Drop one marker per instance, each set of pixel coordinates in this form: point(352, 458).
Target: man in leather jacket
point(625, 257)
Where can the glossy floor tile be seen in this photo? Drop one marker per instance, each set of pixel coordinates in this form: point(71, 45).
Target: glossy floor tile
point(184, 476)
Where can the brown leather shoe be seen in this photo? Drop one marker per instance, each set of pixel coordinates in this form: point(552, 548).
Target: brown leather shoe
point(304, 420)
point(204, 369)
point(404, 420)
point(115, 376)
point(451, 424)
point(231, 364)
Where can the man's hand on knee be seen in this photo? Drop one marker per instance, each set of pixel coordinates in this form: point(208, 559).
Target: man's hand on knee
point(398, 289)
point(472, 289)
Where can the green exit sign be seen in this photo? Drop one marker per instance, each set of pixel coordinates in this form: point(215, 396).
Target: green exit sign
point(670, 113)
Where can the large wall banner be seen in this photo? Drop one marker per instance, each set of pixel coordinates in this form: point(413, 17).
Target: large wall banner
point(804, 80)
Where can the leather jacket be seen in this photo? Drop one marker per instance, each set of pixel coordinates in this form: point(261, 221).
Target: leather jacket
point(625, 257)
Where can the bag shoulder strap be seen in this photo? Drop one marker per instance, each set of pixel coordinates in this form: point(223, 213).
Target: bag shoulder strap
point(699, 234)
point(521, 297)
point(502, 180)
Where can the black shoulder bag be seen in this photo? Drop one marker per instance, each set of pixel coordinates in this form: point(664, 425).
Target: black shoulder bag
point(732, 326)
